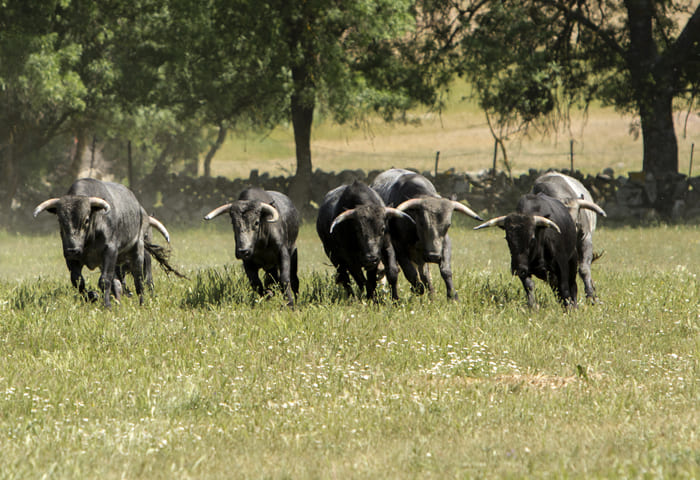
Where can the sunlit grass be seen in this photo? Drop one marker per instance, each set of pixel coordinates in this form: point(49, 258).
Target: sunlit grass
point(207, 381)
point(602, 139)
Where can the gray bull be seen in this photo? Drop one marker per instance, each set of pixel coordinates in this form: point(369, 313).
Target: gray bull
point(425, 240)
point(103, 225)
point(265, 226)
point(583, 211)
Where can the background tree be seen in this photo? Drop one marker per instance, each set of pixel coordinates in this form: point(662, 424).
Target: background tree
point(533, 59)
point(274, 61)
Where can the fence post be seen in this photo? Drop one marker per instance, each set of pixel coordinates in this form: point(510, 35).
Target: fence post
point(690, 168)
point(571, 154)
point(495, 157)
point(437, 159)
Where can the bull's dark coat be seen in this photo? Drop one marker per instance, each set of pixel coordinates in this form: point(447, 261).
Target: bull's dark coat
point(263, 241)
point(539, 250)
point(359, 242)
point(108, 234)
point(425, 240)
point(570, 191)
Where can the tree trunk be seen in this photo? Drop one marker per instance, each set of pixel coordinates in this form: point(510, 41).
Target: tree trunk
point(77, 161)
point(302, 107)
point(9, 178)
point(223, 131)
point(659, 137)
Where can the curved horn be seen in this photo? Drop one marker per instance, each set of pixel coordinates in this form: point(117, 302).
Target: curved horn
point(545, 222)
point(160, 227)
point(496, 221)
point(44, 205)
point(217, 211)
point(99, 202)
point(591, 206)
point(460, 207)
point(413, 202)
point(342, 217)
point(275, 215)
point(395, 212)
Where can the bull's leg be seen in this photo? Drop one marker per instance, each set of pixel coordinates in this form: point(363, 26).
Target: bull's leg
point(76, 276)
point(529, 287)
point(285, 276)
point(409, 270)
point(344, 279)
point(147, 271)
point(358, 276)
point(371, 284)
point(391, 269)
point(584, 267)
point(293, 268)
point(251, 271)
point(425, 277)
point(446, 268)
point(109, 264)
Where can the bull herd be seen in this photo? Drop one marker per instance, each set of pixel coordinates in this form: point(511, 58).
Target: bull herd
point(400, 222)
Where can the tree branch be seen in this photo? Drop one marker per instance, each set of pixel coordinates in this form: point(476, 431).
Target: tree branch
point(586, 22)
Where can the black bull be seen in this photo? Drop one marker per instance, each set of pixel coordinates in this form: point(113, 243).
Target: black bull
point(265, 226)
point(423, 240)
point(351, 224)
point(103, 225)
point(541, 236)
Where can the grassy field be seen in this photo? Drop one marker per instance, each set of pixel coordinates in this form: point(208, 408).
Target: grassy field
point(602, 139)
point(205, 381)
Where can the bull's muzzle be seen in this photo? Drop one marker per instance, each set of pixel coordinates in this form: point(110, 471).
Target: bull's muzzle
point(72, 252)
point(370, 260)
point(243, 253)
point(432, 257)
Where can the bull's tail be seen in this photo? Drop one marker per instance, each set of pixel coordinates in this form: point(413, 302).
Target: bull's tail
point(597, 255)
point(162, 254)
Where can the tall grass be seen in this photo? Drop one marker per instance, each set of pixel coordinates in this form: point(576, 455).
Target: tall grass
point(208, 381)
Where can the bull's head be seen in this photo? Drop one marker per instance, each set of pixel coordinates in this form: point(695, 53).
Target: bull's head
point(367, 224)
point(249, 219)
point(521, 232)
point(433, 217)
point(76, 214)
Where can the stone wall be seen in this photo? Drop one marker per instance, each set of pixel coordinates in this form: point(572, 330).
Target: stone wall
point(183, 200)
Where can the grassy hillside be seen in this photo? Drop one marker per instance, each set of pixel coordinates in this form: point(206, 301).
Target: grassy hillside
point(602, 139)
point(206, 381)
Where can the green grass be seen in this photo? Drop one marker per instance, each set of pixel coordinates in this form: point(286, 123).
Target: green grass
point(207, 381)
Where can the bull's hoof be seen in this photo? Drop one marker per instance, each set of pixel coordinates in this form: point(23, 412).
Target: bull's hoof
point(92, 296)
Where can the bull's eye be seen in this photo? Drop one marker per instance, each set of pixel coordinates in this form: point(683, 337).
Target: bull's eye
point(256, 224)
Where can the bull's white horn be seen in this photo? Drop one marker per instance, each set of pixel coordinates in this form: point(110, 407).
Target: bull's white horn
point(413, 202)
point(591, 206)
point(342, 217)
point(44, 205)
point(160, 227)
point(545, 222)
point(395, 212)
point(99, 202)
point(496, 221)
point(217, 211)
point(274, 213)
point(460, 207)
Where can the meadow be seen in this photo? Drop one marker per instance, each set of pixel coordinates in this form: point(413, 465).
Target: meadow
point(207, 381)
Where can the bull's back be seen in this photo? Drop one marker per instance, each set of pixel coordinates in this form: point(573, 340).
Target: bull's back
point(563, 188)
point(397, 185)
